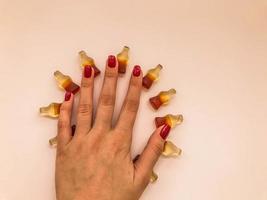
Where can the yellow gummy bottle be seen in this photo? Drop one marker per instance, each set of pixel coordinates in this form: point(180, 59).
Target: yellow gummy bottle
point(171, 150)
point(65, 82)
point(162, 98)
point(171, 120)
point(87, 61)
point(52, 110)
point(151, 76)
point(123, 58)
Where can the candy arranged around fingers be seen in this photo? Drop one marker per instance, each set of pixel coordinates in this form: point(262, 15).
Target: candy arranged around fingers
point(65, 82)
point(162, 98)
point(87, 61)
point(171, 120)
point(171, 150)
point(151, 76)
point(153, 177)
point(123, 58)
point(52, 110)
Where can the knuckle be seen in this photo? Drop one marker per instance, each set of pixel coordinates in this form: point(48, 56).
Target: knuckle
point(157, 148)
point(131, 105)
point(107, 100)
point(62, 124)
point(64, 108)
point(86, 84)
point(85, 109)
point(136, 84)
point(111, 74)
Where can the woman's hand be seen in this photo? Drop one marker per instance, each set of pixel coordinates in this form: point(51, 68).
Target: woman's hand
point(95, 163)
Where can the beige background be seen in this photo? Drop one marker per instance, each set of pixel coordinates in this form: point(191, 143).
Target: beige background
point(213, 52)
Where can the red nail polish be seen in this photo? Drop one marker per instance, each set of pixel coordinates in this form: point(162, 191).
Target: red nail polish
point(87, 71)
point(165, 131)
point(137, 70)
point(67, 96)
point(111, 61)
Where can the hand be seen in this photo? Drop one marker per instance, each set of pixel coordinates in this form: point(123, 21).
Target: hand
point(95, 163)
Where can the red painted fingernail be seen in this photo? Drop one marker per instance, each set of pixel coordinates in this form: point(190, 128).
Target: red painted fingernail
point(111, 61)
point(67, 96)
point(165, 131)
point(87, 72)
point(137, 70)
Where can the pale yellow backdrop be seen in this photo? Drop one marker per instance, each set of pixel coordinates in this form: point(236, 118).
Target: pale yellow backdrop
point(214, 52)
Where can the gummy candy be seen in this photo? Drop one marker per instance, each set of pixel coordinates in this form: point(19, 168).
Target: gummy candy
point(66, 83)
point(52, 110)
point(162, 98)
point(171, 120)
point(53, 141)
point(151, 76)
point(123, 59)
point(89, 62)
point(170, 150)
point(153, 177)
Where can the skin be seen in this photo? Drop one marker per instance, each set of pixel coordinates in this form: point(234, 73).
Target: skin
point(95, 163)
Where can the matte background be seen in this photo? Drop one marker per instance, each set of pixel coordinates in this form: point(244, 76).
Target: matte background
point(213, 52)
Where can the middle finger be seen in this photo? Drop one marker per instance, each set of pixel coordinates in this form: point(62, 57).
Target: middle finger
point(107, 97)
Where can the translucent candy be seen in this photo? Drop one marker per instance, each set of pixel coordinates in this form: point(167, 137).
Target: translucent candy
point(151, 76)
point(52, 110)
point(53, 141)
point(89, 62)
point(153, 177)
point(66, 83)
point(170, 150)
point(162, 98)
point(123, 59)
point(171, 120)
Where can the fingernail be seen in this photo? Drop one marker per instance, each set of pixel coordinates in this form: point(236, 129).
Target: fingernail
point(137, 70)
point(67, 96)
point(111, 61)
point(87, 72)
point(165, 131)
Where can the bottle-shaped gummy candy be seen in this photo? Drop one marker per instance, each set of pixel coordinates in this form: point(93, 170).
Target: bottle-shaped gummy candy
point(171, 120)
point(171, 150)
point(151, 76)
point(66, 83)
point(53, 141)
point(123, 59)
point(162, 98)
point(87, 61)
point(52, 110)
point(153, 177)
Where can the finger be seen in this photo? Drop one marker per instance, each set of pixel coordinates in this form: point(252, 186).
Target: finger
point(147, 160)
point(64, 134)
point(131, 103)
point(107, 96)
point(85, 107)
